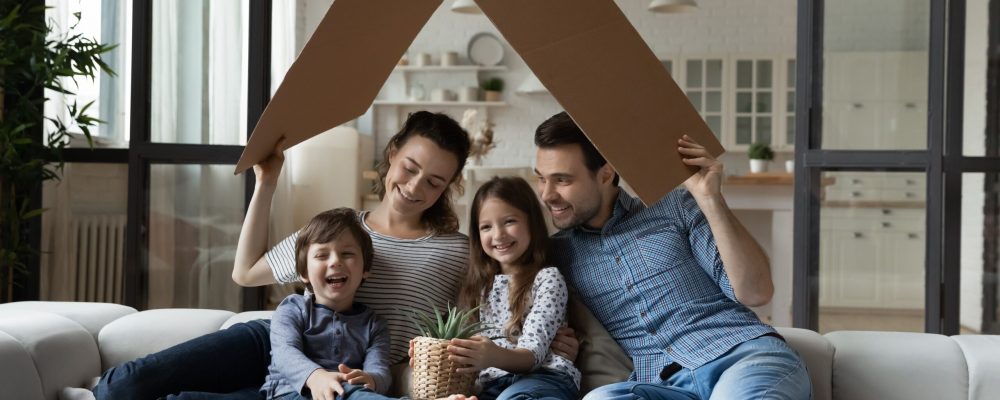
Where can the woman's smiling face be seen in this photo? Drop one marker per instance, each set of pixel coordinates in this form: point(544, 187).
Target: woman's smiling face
point(418, 173)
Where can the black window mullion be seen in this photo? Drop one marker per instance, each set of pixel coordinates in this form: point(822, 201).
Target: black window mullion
point(85, 155)
point(888, 160)
point(258, 95)
point(181, 153)
point(809, 98)
point(952, 139)
point(934, 270)
point(136, 239)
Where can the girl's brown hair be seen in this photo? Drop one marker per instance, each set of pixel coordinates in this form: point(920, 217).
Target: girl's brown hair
point(324, 228)
point(446, 134)
point(482, 268)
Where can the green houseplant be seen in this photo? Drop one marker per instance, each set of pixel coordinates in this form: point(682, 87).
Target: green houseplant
point(433, 373)
point(31, 61)
point(760, 155)
point(492, 88)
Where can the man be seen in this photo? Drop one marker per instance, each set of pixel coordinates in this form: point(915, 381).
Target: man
point(671, 282)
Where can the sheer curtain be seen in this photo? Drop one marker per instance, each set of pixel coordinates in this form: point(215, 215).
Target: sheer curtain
point(86, 189)
point(199, 96)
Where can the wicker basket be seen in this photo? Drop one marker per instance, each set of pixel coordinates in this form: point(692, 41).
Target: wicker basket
point(434, 374)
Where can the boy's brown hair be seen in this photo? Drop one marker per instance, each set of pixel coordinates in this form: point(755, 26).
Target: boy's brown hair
point(324, 228)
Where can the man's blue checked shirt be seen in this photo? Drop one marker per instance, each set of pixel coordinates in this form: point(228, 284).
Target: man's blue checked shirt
point(653, 276)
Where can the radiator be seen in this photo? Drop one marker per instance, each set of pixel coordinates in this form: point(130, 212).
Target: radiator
point(96, 257)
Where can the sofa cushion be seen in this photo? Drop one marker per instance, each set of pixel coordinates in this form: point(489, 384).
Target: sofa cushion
point(62, 352)
point(18, 376)
point(139, 334)
point(982, 355)
point(817, 353)
point(92, 316)
point(601, 360)
point(897, 366)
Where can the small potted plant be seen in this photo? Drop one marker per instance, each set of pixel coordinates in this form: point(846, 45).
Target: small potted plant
point(492, 88)
point(760, 155)
point(434, 374)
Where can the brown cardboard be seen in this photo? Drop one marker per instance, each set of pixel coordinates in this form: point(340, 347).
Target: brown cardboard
point(339, 71)
point(601, 71)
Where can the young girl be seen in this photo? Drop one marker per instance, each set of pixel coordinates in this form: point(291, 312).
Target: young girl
point(520, 297)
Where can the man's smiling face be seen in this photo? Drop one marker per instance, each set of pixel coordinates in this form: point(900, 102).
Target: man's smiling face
point(569, 190)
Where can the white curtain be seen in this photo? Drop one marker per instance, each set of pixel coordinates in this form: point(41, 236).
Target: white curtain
point(199, 96)
point(284, 48)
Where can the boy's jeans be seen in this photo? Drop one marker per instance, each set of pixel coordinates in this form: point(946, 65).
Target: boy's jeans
point(229, 361)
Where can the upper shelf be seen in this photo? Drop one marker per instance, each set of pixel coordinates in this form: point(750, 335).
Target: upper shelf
point(450, 68)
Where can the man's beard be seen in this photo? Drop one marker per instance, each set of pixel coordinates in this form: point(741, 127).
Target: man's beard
point(580, 217)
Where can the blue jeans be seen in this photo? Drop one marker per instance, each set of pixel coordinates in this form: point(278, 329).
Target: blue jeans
point(541, 384)
point(351, 392)
point(762, 368)
point(232, 361)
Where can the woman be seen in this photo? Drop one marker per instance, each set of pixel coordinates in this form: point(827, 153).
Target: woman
point(413, 229)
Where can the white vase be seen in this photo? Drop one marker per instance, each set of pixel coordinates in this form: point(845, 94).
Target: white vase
point(758, 166)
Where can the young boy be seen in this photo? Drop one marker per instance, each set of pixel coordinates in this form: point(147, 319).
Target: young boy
point(323, 345)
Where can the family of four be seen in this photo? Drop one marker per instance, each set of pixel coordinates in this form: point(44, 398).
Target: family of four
point(671, 283)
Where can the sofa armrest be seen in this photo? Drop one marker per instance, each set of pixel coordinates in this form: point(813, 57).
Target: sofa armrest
point(982, 355)
point(91, 316)
point(42, 353)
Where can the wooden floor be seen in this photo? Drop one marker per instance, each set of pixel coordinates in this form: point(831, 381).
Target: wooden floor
point(873, 320)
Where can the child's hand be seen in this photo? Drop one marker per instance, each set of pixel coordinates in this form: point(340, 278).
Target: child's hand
point(474, 353)
point(325, 385)
point(566, 344)
point(357, 376)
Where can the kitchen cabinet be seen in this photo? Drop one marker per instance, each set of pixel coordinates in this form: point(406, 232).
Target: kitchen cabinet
point(875, 101)
point(872, 257)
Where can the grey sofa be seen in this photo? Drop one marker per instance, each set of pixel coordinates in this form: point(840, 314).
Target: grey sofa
point(48, 346)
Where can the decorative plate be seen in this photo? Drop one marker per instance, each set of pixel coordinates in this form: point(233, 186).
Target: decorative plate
point(485, 49)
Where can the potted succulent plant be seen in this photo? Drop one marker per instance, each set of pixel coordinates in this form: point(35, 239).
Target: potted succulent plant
point(760, 155)
point(492, 88)
point(434, 374)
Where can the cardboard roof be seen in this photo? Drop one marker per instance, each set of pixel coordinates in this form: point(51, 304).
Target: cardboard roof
point(586, 52)
point(339, 71)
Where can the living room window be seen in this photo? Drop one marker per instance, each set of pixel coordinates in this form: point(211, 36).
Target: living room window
point(193, 94)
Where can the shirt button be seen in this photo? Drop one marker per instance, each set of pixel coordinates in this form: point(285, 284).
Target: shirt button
point(629, 287)
point(642, 314)
point(670, 349)
point(652, 331)
point(618, 260)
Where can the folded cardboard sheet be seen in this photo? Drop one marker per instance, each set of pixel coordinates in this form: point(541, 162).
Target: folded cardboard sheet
point(586, 52)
